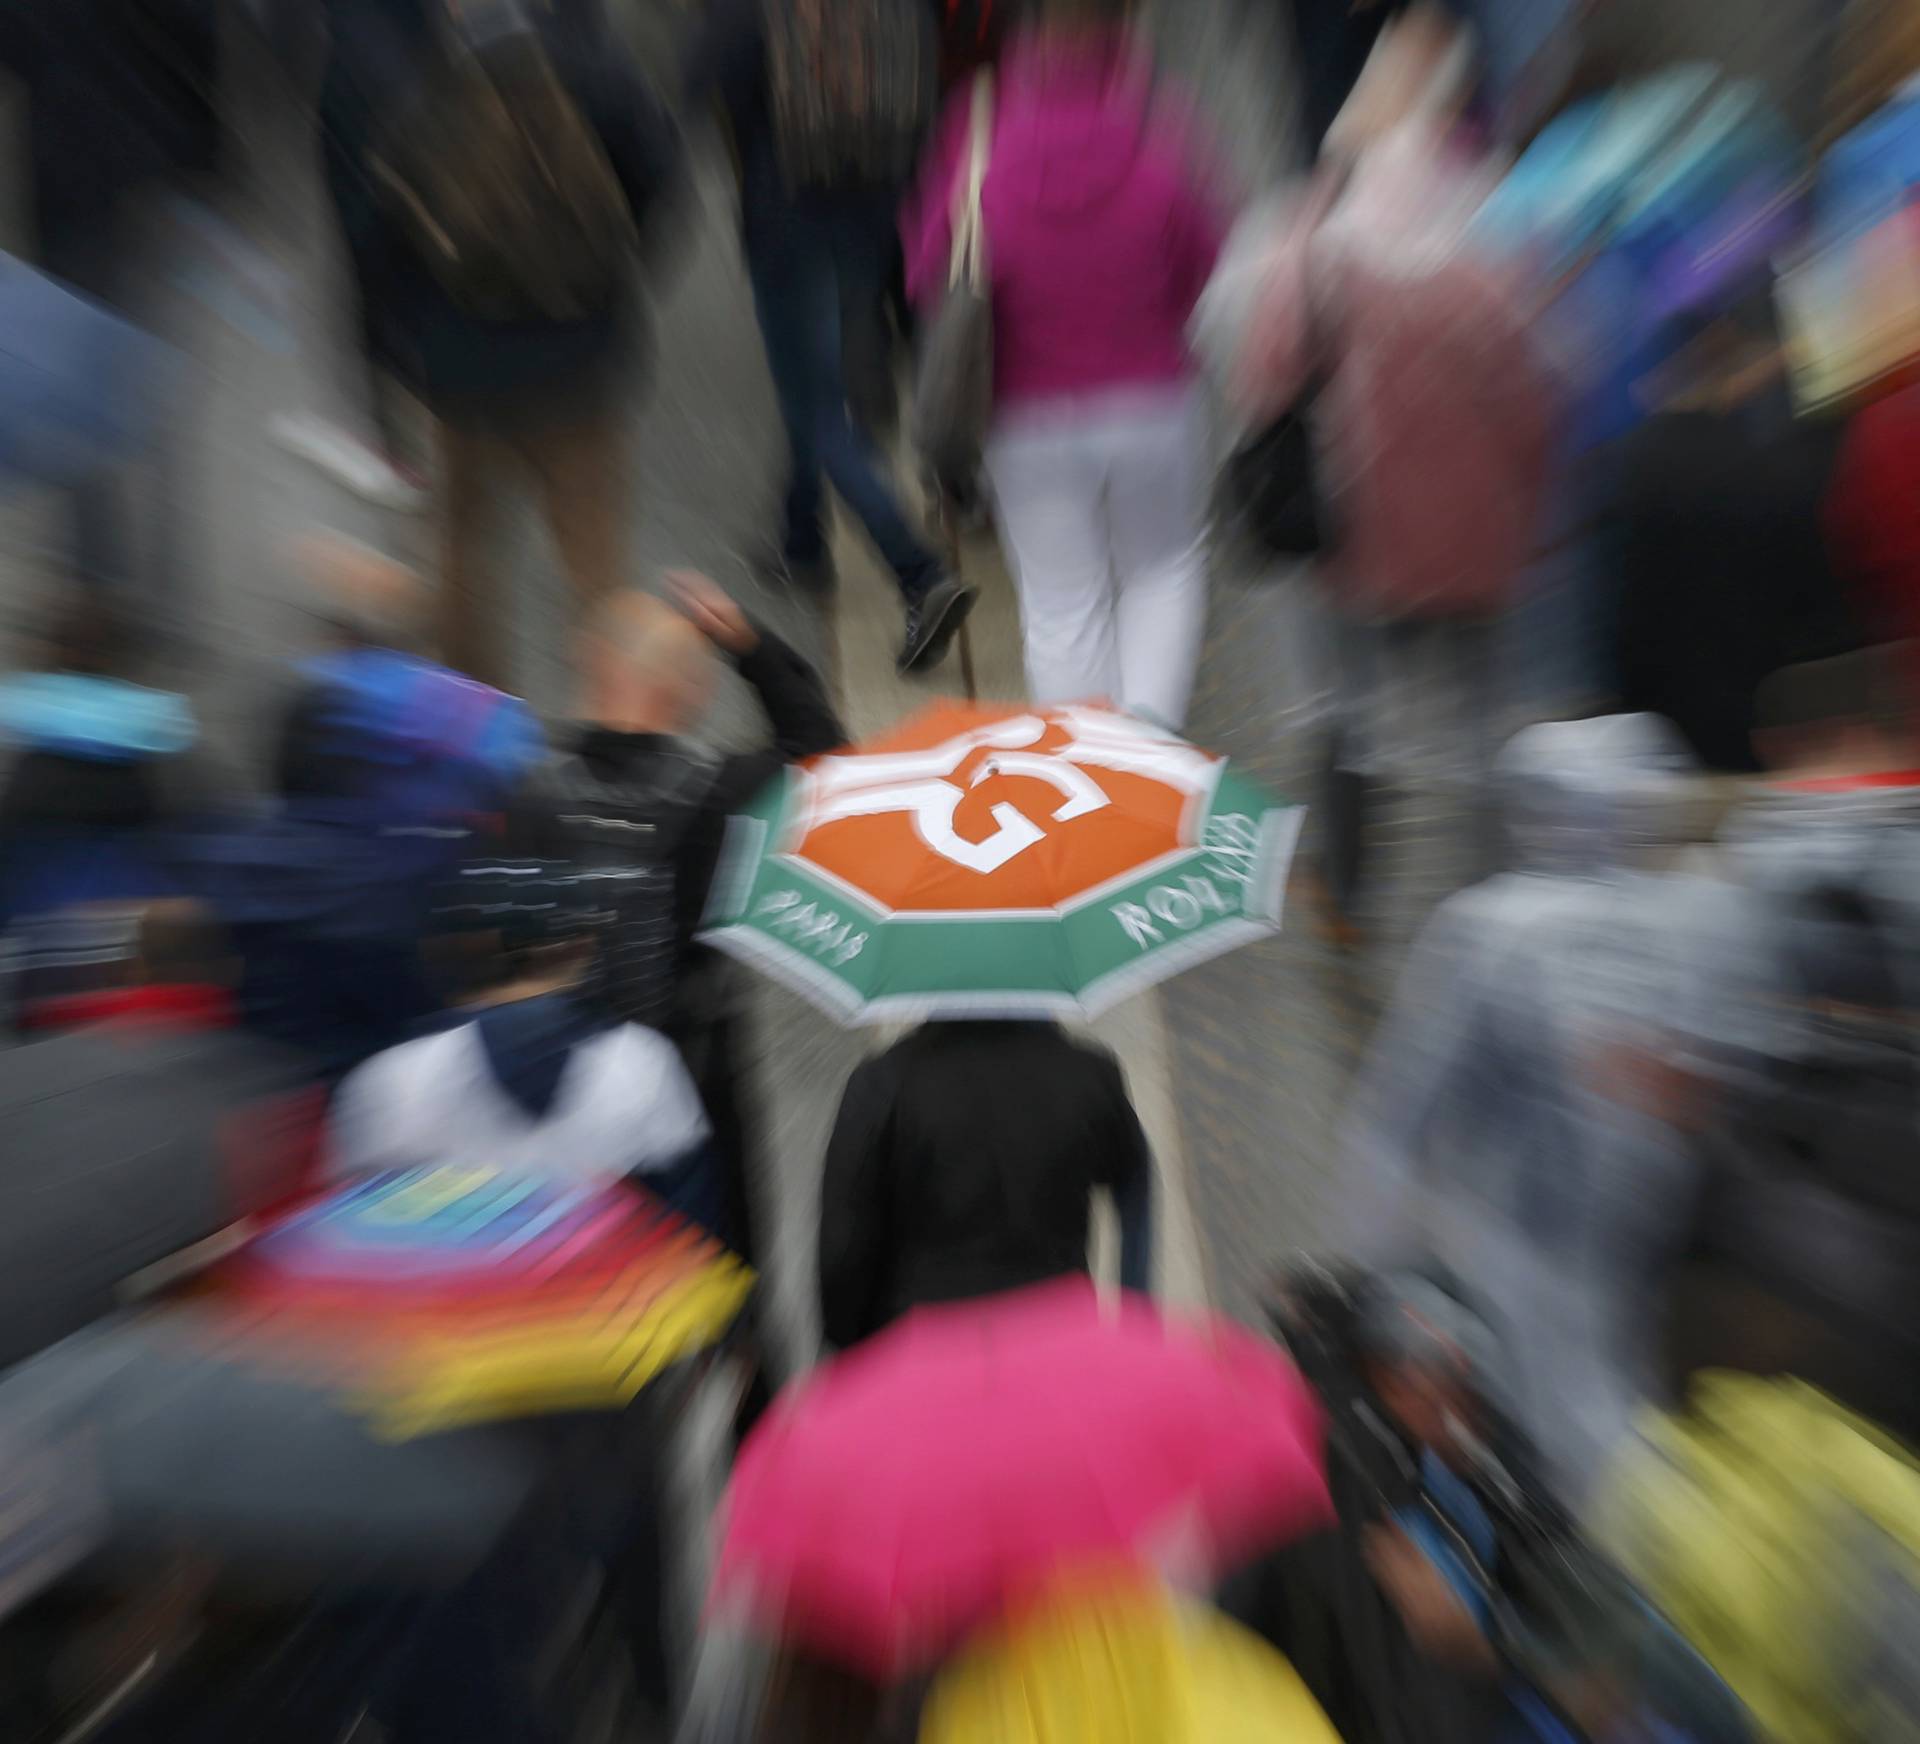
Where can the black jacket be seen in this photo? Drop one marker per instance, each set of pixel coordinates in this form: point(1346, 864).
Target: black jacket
point(964, 1161)
point(600, 771)
point(604, 774)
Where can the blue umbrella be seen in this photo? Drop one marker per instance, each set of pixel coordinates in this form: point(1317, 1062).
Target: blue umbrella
point(80, 388)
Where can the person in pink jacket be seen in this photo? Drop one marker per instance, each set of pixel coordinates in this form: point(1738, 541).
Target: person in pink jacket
point(1101, 230)
point(1434, 417)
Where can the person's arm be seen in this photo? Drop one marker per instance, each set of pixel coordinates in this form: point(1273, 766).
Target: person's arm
point(1276, 356)
point(1133, 1200)
point(675, 1157)
point(1205, 205)
point(645, 149)
point(853, 1209)
point(796, 706)
point(794, 697)
point(1200, 237)
point(1440, 1622)
point(1129, 1179)
point(790, 690)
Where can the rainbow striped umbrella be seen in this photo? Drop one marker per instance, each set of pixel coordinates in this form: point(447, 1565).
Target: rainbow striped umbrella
point(450, 1295)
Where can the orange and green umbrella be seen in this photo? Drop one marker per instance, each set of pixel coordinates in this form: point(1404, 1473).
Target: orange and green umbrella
point(1001, 862)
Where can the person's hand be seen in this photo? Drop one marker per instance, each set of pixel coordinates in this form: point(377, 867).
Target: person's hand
point(714, 615)
point(1441, 1626)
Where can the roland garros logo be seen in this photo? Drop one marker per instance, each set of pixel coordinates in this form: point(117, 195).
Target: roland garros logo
point(1077, 829)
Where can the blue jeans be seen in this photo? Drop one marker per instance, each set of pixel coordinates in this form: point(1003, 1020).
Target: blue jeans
point(807, 256)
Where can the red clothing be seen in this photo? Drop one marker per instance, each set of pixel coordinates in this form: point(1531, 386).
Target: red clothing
point(1873, 517)
point(1853, 783)
point(189, 1007)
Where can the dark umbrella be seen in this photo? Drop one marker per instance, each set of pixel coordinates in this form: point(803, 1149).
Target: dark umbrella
point(281, 1479)
point(80, 389)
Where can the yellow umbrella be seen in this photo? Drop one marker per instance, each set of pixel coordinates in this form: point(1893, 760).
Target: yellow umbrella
point(1125, 1664)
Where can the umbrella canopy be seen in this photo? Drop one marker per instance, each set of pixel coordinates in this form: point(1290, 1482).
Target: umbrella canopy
point(994, 862)
point(1127, 1664)
point(907, 1491)
point(444, 1296)
point(164, 1446)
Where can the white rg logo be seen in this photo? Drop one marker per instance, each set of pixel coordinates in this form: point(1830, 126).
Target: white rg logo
point(921, 784)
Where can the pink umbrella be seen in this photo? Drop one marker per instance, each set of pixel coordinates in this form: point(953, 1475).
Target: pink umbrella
point(903, 1494)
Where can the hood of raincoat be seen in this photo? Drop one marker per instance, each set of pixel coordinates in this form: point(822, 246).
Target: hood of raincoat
point(1102, 223)
point(1086, 108)
point(1583, 797)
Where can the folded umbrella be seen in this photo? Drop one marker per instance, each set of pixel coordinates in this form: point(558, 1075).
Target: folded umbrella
point(1001, 862)
point(974, 1454)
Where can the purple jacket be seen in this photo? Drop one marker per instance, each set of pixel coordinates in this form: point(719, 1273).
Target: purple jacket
point(1101, 225)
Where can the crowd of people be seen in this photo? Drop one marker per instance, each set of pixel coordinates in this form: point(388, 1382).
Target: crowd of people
point(1553, 393)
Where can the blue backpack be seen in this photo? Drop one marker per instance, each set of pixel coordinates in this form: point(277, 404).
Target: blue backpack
point(405, 744)
point(402, 765)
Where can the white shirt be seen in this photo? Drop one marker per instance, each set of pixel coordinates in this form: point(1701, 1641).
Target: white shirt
point(625, 1105)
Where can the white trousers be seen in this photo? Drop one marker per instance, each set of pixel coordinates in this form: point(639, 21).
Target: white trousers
point(1102, 517)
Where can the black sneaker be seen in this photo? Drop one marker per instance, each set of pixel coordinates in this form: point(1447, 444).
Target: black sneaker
point(932, 622)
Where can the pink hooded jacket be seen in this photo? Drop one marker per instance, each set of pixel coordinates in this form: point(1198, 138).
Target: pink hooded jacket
point(1101, 227)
